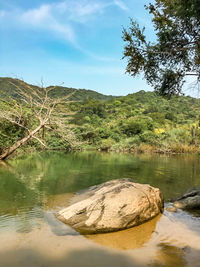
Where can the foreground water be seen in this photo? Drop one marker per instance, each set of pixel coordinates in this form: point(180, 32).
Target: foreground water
point(34, 187)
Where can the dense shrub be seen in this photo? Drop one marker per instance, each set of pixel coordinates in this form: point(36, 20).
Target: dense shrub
point(136, 125)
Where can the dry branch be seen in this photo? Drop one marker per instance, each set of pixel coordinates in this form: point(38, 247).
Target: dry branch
point(42, 111)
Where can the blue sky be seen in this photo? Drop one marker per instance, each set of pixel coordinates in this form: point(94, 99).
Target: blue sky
point(77, 42)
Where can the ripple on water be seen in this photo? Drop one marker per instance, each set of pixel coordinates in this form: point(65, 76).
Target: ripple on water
point(24, 221)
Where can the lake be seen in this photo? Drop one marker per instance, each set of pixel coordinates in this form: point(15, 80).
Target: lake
point(34, 187)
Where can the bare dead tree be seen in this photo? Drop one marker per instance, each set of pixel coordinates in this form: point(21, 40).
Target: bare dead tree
point(43, 112)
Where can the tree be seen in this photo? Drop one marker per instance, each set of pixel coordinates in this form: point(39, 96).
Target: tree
point(34, 110)
point(176, 50)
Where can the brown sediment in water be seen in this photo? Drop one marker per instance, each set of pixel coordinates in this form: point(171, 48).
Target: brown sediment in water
point(131, 238)
point(159, 242)
point(163, 241)
point(42, 248)
point(173, 243)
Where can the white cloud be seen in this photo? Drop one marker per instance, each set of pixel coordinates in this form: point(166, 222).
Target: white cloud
point(37, 15)
point(86, 9)
point(80, 10)
point(43, 18)
point(121, 5)
point(56, 18)
point(59, 18)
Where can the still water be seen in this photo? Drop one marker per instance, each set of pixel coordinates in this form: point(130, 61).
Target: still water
point(34, 187)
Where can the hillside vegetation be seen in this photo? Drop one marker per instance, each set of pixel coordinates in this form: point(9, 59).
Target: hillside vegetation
point(139, 122)
point(8, 85)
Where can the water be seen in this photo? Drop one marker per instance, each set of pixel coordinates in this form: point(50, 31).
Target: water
point(34, 187)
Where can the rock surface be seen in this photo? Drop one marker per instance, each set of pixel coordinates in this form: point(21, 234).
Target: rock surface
point(190, 200)
point(171, 209)
point(113, 206)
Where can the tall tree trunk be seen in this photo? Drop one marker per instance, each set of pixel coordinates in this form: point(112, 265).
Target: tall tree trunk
point(20, 143)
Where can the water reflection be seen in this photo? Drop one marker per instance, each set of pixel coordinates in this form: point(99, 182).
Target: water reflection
point(32, 188)
point(32, 180)
point(131, 238)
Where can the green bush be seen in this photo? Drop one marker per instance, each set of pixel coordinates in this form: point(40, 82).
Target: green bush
point(106, 144)
point(136, 125)
point(149, 137)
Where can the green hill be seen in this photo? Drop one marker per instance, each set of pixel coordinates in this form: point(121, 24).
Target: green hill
point(139, 122)
point(6, 85)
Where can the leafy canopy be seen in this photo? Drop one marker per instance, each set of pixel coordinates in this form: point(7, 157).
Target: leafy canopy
point(176, 50)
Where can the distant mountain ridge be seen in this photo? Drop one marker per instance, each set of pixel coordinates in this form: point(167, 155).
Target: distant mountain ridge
point(6, 85)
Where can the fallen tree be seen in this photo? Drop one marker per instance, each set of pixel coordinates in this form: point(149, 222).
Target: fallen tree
point(34, 111)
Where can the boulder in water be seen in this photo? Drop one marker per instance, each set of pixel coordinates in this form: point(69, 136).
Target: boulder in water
point(113, 206)
point(190, 200)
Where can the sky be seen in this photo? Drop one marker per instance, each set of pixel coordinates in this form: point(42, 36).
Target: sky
point(75, 42)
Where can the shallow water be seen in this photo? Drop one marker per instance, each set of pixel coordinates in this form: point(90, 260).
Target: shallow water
point(34, 187)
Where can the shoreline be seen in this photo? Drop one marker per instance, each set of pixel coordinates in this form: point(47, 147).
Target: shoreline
point(142, 149)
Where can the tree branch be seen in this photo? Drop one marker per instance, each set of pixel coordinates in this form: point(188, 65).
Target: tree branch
point(40, 141)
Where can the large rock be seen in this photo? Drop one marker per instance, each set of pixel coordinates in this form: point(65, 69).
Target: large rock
point(113, 206)
point(190, 200)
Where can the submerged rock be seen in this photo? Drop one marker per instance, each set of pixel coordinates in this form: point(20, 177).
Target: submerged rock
point(113, 206)
point(190, 200)
point(171, 209)
point(57, 227)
